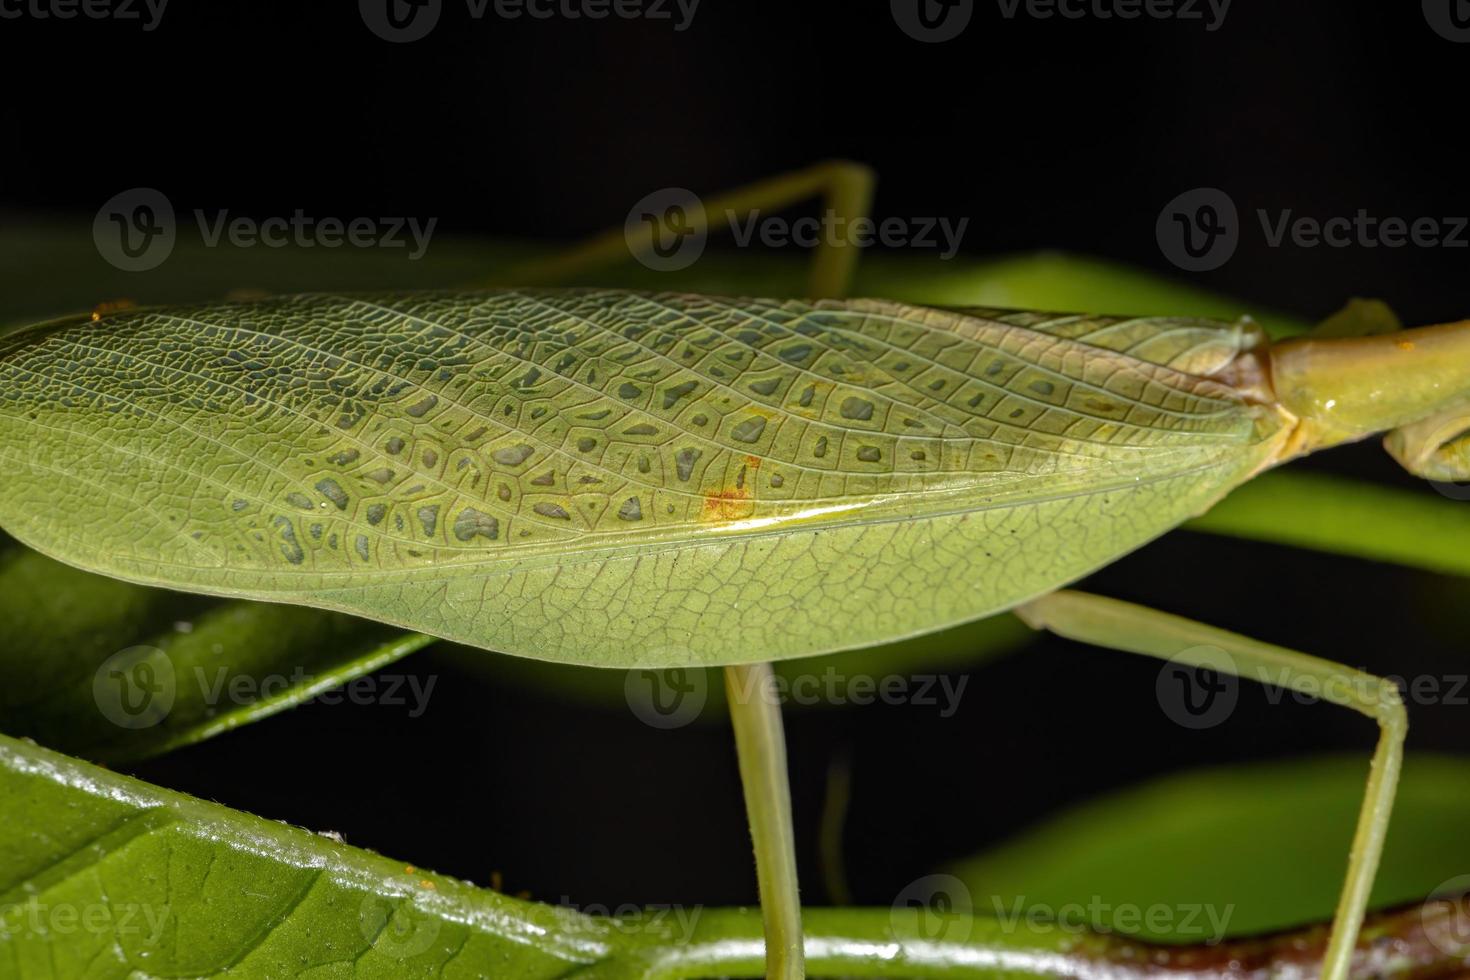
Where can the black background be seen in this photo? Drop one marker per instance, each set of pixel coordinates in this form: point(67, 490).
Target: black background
point(1053, 133)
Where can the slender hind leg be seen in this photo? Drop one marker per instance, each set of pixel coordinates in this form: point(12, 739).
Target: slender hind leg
point(1136, 629)
point(846, 189)
point(760, 744)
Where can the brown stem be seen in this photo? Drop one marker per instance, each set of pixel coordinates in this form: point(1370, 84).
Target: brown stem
point(1425, 941)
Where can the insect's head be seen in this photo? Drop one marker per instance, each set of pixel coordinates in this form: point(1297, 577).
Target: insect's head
point(1412, 384)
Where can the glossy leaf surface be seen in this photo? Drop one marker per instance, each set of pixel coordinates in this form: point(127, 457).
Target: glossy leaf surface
point(103, 876)
point(108, 878)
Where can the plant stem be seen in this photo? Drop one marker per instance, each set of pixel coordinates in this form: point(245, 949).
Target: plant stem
point(1425, 941)
point(761, 745)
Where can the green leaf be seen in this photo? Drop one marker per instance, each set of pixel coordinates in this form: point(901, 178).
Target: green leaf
point(114, 671)
point(102, 876)
point(108, 878)
point(1417, 528)
point(611, 478)
point(1262, 847)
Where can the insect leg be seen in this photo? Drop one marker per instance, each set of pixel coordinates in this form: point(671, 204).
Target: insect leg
point(760, 743)
point(846, 190)
point(1359, 318)
point(1137, 629)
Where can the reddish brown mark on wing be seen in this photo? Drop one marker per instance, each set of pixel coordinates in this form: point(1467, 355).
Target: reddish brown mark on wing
point(732, 503)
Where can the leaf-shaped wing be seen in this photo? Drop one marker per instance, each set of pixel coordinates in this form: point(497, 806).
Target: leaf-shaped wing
point(608, 477)
point(1194, 345)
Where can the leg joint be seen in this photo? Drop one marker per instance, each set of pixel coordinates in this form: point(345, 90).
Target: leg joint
point(1389, 707)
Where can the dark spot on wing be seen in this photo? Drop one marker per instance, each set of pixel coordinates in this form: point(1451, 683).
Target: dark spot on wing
point(471, 523)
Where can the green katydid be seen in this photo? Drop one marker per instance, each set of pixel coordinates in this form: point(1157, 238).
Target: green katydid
point(626, 479)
